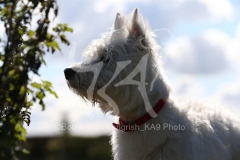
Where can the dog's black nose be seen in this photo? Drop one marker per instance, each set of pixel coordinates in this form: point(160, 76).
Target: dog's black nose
point(69, 73)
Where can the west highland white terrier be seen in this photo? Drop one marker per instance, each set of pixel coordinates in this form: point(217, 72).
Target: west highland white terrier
point(123, 75)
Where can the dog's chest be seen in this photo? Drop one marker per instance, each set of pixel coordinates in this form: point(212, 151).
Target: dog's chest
point(136, 145)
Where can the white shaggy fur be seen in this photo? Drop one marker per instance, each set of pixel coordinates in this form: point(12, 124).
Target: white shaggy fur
point(201, 132)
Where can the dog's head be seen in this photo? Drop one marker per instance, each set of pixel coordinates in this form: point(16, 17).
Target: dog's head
point(128, 49)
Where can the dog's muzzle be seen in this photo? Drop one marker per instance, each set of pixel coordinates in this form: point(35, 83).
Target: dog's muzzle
point(69, 73)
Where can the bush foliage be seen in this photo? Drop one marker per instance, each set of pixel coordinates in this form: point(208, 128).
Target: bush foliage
point(26, 40)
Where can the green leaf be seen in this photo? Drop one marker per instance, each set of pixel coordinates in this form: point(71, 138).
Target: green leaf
point(42, 104)
point(55, 45)
point(46, 84)
point(36, 85)
point(21, 132)
point(21, 31)
point(11, 73)
point(31, 33)
point(40, 95)
point(11, 87)
point(2, 12)
point(63, 39)
point(53, 93)
point(69, 29)
point(22, 90)
point(42, 59)
point(25, 151)
point(29, 104)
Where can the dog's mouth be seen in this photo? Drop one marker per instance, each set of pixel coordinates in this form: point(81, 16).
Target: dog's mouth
point(86, 93)
point(94, 99)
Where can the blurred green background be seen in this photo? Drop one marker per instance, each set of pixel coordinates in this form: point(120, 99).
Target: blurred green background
point(67, 147)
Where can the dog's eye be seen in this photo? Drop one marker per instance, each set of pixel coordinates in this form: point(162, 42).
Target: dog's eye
point(106, 60)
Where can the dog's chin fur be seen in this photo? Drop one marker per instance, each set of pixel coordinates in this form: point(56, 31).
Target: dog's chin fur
point(210, 133)
point(96, 99)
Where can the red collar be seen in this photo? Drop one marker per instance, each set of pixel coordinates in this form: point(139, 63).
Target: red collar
point(134, 125)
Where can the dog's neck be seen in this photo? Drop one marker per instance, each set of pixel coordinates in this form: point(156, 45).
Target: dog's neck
point(160, 91)
point(127, 126)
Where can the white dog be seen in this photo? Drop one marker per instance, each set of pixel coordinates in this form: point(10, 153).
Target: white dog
point(122, 74)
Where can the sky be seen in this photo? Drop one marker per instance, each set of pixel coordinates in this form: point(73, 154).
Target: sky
point(199, 48)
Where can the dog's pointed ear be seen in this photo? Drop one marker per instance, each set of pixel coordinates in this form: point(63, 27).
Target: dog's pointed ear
point(138, 24)
point(118, 22)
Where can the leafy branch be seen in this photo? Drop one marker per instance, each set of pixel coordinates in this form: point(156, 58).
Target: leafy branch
point(22, 51)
